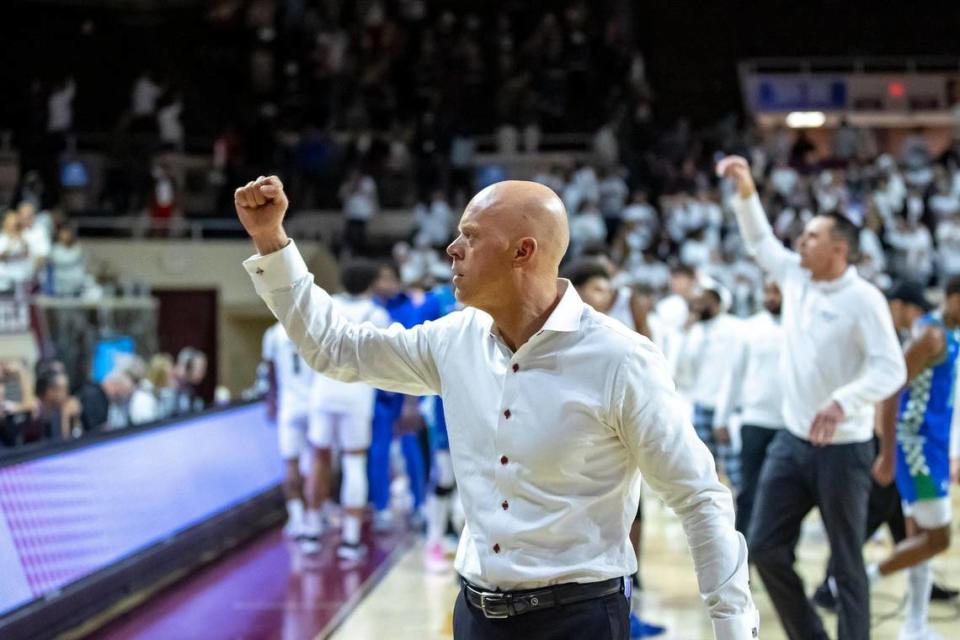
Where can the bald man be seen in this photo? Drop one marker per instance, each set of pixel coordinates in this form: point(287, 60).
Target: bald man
point(553, 410)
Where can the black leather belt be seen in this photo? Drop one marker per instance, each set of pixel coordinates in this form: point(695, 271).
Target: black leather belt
point(505, 604)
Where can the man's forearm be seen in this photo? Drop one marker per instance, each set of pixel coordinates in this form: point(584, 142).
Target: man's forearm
point(888, 424)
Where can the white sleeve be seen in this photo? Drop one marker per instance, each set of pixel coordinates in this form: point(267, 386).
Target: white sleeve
point(395, 359)
point(769, 253)
point(653, 423)
point(884, 370)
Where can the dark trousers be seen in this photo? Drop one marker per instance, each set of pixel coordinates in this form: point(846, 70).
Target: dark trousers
point(755, 441)
point(606, 618)
point(797, 477)
point(884, 508)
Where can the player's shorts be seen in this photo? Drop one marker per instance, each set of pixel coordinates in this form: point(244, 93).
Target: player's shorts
point(929, 514)
point(349, 429)
point(292, 433)
point(923, 480)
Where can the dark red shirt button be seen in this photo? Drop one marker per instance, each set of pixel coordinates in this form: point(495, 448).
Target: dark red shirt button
point(496, 548)
point(504, 460)
point(516, 368)
point(507, 414)
point(505, 505)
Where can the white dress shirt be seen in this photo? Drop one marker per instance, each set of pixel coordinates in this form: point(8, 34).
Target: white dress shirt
point(547, 442)
point(752, 382)
point(840, 341)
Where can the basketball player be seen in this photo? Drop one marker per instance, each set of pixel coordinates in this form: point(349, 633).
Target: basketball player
point(841, 357)
point(553, 410)
point(344, 411)
point(922, 413)
point(290, 381)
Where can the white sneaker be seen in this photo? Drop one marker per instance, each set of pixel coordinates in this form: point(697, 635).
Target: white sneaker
point(293, 528)
point(351, 552)
point(923, 634)
point(383, 521)
point(309, 544)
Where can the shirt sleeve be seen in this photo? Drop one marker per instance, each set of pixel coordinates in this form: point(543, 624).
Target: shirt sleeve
point(769, 253)
point(394, 358)
point(884, 371)
point(678, 467)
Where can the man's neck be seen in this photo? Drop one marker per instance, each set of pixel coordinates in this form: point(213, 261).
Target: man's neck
point(835, 272)
point(518, 322)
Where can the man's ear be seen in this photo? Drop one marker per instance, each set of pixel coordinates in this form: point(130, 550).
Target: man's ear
point(526, 249)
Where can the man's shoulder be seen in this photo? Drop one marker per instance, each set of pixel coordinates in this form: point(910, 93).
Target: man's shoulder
point(616, 338)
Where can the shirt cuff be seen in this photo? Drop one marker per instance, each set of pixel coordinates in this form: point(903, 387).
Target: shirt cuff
point(278, 270)
point(746, 626)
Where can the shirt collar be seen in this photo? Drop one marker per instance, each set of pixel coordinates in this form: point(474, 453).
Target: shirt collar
point(835, 285)
point(566, 315)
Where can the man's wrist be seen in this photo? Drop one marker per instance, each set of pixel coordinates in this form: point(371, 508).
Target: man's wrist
point(271, 242)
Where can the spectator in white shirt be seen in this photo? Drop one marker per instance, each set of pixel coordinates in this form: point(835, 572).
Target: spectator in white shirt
point(702, 364)
point(551, 177)
point(434, 221)
point(587, 228)
point(650, 271)
point(613, 192)
point(752, 389)
point(68, 264)
point(948, 247)
point(360, 204)
point(168, 123)
point(548, 505)
point(17, 262)
point(841, 357)
point(60, 107)
point(36, 235)
point(913, 250)
point(143, 101)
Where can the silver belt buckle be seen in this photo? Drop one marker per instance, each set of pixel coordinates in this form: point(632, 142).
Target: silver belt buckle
point(493, 598)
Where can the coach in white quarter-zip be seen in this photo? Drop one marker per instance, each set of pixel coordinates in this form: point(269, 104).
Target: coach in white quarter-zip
point(841, 357)
point(553, 410)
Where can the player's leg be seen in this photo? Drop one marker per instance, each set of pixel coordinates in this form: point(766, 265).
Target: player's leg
point(442, 485)
point(320, 436)
point(378, 460)
point(292, 442)
point(354, 434)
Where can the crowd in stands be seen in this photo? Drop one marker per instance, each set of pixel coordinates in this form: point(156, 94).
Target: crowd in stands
point(41, 254)
point(42, 404)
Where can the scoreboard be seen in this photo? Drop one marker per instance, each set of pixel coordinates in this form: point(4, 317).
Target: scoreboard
point(877, 98)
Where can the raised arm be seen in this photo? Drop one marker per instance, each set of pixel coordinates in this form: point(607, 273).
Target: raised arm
point(755, 229)
point(394, 358)
point(654, 425)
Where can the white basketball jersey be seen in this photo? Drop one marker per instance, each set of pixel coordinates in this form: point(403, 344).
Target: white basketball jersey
point(349, 397)
point(294, 376)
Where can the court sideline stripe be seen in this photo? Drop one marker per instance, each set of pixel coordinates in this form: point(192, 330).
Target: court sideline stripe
point(398, 552)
